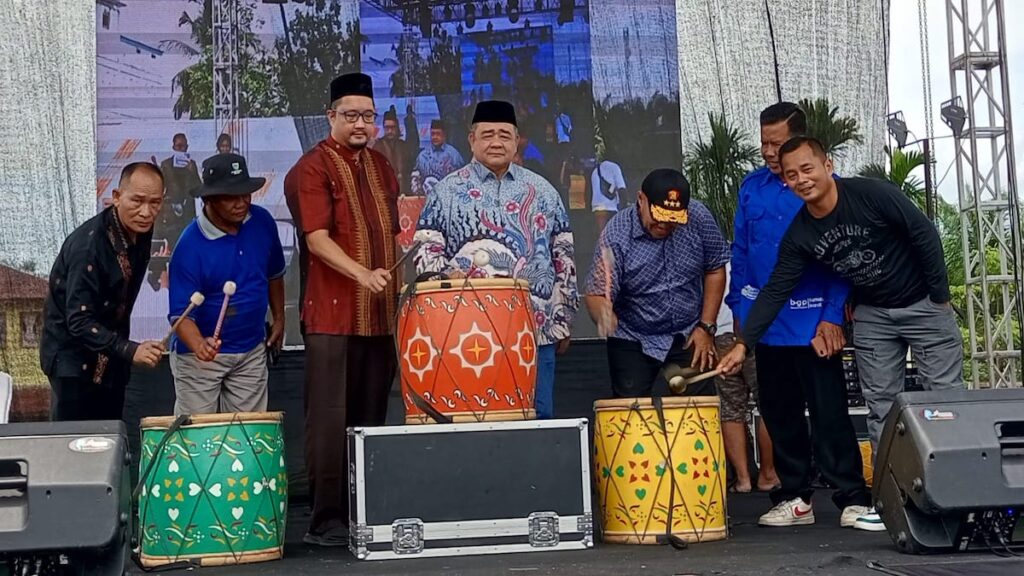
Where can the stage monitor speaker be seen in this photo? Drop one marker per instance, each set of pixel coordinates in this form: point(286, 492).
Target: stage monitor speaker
point(949, 473)
point(65, 499)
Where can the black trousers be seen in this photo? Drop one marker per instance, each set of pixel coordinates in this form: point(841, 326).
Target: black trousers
point(792, 378)
point(348, 379)
point(83, 399)
point(634, 374)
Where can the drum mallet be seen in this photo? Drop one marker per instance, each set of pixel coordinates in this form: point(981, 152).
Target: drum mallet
point(481, 259)
point(680, 378)
point(229, 291)
point(196, 299)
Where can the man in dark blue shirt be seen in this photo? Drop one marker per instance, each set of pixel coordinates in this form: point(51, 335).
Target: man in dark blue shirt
point(229, 241)
point(798, 366)
point(656, 284)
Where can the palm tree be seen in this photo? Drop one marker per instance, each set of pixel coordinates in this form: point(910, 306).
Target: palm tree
point(824, 123)
point(259, 88)
point(901, 166)
point(716, 169)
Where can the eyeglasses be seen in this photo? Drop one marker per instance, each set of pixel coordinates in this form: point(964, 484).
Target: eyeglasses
point(351, 116)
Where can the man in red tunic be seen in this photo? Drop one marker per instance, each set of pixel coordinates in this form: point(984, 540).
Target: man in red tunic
point(342, 196)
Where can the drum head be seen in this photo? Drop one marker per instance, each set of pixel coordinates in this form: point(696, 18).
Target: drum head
point(473, 284)
point(204, 419)
point(646, 404)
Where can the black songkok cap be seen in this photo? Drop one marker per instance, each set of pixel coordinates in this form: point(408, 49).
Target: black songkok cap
point(354, 84)
point(495, 111)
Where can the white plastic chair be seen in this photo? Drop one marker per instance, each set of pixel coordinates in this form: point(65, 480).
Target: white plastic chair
point(6, 393)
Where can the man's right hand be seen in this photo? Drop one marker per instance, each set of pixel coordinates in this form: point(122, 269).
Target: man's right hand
point(607, 321)
point(732, 362)
point(208, 350)
point(148, 353)
point(374, 280)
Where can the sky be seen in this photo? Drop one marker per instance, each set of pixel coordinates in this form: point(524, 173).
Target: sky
point(905, 79)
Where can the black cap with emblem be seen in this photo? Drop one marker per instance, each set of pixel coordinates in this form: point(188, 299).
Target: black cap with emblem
point(668, 193)
point(227, 175)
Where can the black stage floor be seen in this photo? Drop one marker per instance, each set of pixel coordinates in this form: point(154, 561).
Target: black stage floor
point(581, 378)
point(823, 548)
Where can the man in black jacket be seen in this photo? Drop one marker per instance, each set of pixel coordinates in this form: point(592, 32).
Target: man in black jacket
point(85, 350)
point(868, 232)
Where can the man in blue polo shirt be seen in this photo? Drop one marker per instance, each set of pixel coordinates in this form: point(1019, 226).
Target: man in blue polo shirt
point(798, 365)
point(230, 240)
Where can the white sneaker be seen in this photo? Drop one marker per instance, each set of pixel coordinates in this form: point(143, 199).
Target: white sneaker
point(870, 521)
point(851, 514)
point(793, 512)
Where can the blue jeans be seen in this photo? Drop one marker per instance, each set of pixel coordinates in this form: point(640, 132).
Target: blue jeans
point(545, 393)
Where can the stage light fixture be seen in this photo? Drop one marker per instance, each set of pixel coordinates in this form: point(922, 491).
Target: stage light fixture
point(897, 127)
point(447, 12)
point(469, 12)
point(497, 9)
point(485, 10)
point(954, 115)
point(538, 5)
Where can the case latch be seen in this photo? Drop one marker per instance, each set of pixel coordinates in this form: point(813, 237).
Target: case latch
point(543, 529)
point(407, 536)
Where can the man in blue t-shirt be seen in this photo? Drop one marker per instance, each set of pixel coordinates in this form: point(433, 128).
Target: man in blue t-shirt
point(229, 241)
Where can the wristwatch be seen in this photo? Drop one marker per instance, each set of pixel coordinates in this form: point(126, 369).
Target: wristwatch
point(709, 328)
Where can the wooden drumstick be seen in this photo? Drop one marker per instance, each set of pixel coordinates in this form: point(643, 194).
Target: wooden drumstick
point(196, 299)
point(229, 290)
point(680, 378)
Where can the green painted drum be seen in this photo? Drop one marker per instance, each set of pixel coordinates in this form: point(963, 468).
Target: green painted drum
point(218, 491)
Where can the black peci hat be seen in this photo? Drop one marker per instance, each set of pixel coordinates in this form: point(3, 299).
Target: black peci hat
point(495, 111)
point(354, 84)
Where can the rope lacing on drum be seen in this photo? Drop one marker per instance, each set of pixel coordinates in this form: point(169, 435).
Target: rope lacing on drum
point(158, 453)
point(674, 488)
point(407, 304)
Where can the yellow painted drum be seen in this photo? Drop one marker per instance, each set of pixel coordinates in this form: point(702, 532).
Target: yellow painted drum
point(638, 465)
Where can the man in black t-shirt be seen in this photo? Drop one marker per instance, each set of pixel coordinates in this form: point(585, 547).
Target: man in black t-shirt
point(869, 233)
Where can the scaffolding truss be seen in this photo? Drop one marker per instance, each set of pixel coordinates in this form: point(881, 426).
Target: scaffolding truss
point(986, 177)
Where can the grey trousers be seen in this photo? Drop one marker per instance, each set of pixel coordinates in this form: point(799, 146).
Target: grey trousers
point(881, 337)
point(229, 383)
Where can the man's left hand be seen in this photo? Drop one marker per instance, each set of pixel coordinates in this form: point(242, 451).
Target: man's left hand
point(276, 337)
point(829, 338)
point(703, 349)
point(562, 347)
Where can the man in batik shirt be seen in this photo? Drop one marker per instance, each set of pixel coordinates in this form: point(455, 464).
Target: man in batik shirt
point(514, 216)
point(440, 158)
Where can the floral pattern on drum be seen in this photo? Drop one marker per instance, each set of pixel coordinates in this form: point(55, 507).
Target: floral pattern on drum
point(218, 491)
point(635, 469)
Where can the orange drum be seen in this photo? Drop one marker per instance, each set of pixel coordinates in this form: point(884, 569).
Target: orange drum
point(409, 208)
point(468, 349)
